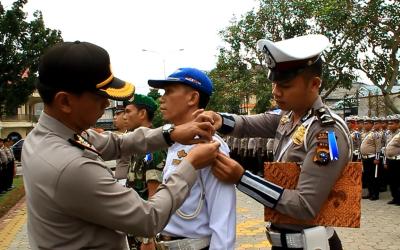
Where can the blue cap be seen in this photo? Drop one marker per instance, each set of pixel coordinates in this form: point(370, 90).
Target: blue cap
point(195, 78)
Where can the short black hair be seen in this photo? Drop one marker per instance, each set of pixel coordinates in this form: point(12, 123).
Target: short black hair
point(47, 92)
point(314, 70)
point(149, 111)
point(203, 99)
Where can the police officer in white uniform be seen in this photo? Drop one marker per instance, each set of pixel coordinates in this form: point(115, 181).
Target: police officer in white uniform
point(207, 219)
point(73, 200)
point(306, 132)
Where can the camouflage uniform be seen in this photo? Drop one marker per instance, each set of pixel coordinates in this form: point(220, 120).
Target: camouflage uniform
point(143, 168)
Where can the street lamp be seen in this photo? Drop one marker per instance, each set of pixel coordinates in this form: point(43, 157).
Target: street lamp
point(162, 57)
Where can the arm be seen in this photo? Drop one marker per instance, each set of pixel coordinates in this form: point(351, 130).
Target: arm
point(143, 140)
point(315, 181)
point(87, 190)
point(314, 185)
point(154, 172)
point(261, 125)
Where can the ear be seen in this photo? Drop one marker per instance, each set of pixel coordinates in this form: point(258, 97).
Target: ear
point(194, 98)
point(63, 101)
point(142, 114)
point(316, 83)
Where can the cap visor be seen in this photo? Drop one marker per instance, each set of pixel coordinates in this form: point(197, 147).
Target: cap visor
point(159, 84)
point(118, 90)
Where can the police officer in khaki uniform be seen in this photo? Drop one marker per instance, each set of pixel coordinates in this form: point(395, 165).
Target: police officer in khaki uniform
point(351, 122)
point(73, 200)
point(392, 155)
point(306, 132)
point(370, 149)
point(11, 163)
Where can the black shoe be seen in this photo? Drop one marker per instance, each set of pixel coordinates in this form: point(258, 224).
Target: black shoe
point(365, 196)
point(374, 198)
point(391, 202)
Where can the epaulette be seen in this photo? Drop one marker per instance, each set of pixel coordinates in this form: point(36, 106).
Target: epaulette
point(324, 117)
point(83, 144)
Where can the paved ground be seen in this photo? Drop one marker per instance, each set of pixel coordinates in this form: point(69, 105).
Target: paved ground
point(380, 227)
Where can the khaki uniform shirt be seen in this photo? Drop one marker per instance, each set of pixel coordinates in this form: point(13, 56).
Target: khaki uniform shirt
point(393, 146)
point(73, 200)
point(371, 143)
point(3, 155)
point(315, 181)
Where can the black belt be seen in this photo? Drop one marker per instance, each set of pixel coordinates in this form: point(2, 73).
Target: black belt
point(162, 237)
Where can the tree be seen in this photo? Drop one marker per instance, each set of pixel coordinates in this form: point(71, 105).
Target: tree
point(157, 120)
point(377, 42)
point(21, 45)
point(278, 20)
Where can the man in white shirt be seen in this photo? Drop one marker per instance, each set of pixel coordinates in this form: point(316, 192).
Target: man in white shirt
point(207, 219)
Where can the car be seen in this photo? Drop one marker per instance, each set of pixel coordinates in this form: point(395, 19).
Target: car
point(17, 148)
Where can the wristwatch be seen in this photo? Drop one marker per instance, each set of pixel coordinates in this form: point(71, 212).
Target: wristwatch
point(166, 131)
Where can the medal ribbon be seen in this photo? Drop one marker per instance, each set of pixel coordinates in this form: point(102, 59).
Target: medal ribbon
point(333, 147)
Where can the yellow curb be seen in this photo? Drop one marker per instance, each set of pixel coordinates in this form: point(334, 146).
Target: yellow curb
point(242, 210)
point(13, 226)
point(246, 245)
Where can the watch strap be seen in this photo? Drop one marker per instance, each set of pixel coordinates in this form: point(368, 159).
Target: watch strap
point(228, 123)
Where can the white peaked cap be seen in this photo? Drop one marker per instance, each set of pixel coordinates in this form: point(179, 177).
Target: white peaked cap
point(294, 49)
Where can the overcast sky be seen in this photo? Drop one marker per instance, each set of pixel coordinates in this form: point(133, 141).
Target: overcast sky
point(125, 27)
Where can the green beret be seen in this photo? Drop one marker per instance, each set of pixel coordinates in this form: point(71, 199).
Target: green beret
point(142, 100)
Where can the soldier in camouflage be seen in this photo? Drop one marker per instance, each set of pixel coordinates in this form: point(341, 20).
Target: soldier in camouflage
point(143, 172)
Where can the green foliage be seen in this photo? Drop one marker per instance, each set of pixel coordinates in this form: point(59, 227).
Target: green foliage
point(157, 120)
point(364, 35)
point(9, 199)
point(21, 45)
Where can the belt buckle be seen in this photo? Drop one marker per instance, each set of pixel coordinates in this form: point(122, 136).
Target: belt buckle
point(267, 230)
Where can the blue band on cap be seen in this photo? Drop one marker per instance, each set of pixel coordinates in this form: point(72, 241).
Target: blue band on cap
point(333, 147)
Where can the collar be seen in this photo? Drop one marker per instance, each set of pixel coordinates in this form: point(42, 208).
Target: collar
point(56, 126)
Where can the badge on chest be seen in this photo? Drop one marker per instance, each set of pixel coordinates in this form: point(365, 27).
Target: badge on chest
point(298, 135)
point(180, 154)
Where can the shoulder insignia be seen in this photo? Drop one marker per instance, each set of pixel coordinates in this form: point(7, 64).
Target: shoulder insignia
point(307, 116)
point(83, 144)
point(298, 135)
point(181, 153)
point(284, 119)
point(325, 117)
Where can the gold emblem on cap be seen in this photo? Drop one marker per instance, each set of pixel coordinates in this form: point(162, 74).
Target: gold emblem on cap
point(298, 136)
point(284, 119)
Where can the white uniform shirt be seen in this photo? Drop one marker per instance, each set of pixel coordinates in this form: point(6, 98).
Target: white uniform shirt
point(217, 217)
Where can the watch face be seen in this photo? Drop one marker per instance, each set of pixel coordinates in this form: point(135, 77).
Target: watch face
point(167, 126)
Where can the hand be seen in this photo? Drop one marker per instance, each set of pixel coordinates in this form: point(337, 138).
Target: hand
point(214, 118)
point(148, 246)
point(385, 166)
point(376, 162)
point(227, 169)
point(203, 154)
point(193, 132)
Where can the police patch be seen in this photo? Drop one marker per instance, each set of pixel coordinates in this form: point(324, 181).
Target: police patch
point(322, 156)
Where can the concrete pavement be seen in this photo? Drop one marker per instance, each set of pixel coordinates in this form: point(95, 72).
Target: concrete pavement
point(380, 227)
